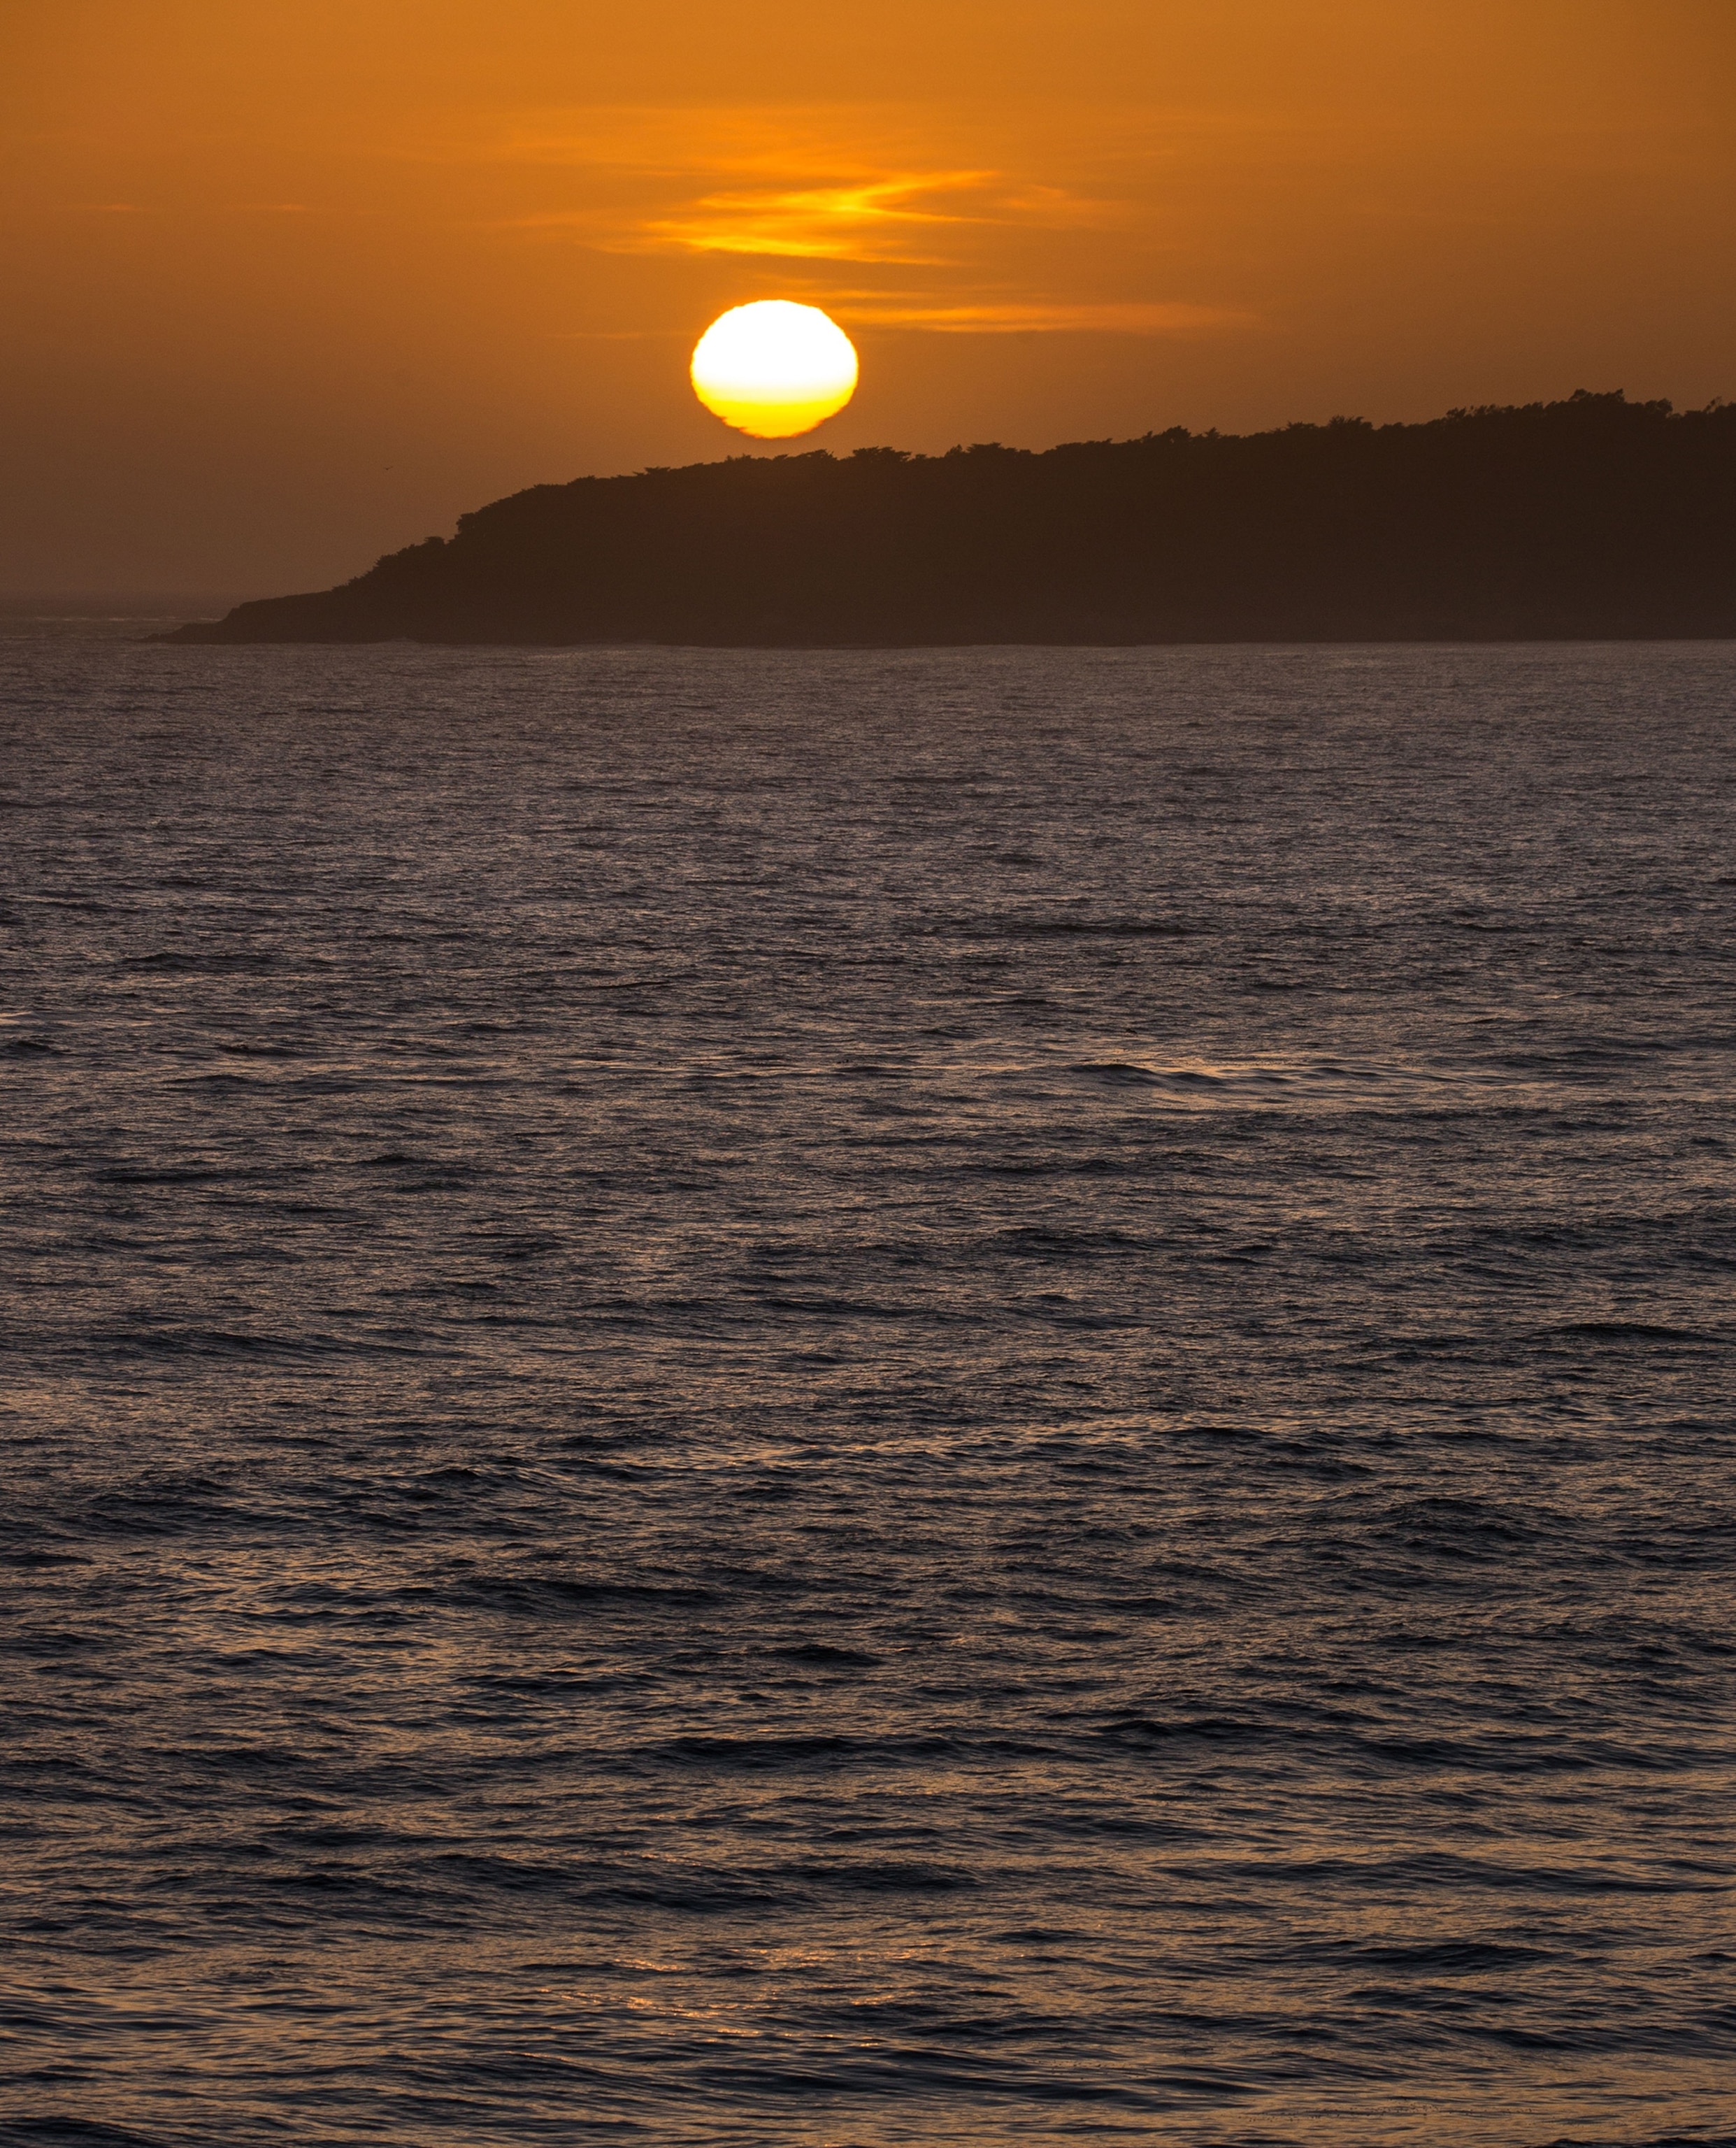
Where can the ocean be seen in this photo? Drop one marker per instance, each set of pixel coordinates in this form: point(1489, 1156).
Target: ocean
point(970, 1396)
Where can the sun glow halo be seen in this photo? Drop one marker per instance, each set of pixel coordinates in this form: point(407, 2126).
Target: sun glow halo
point(773, 369)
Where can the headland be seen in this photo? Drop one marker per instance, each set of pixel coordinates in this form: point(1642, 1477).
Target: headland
point(1591, 518)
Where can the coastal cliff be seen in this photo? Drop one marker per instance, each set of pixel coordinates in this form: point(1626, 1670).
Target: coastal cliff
point(1594, 518)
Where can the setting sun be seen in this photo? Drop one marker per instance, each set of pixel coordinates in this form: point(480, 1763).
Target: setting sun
point(773, 369)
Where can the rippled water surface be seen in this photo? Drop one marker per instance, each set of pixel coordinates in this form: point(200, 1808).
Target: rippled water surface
point(851, 1399)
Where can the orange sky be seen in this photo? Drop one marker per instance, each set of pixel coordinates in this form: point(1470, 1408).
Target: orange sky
point(289, 282)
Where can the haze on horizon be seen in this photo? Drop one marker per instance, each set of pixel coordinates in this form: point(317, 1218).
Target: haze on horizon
point(289, 287)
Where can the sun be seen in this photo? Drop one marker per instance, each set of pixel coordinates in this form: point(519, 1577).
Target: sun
point(773, 369)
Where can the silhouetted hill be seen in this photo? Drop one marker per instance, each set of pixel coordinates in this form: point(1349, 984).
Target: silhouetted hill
point(1593, 518)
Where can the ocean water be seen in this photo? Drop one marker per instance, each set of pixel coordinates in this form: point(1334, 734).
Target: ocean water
point(972, 1397)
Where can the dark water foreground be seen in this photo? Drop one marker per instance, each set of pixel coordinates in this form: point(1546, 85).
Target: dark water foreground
point(847, 1400)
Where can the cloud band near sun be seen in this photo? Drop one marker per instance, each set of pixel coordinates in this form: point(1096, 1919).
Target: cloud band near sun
point(800, 193)
point(902, 216)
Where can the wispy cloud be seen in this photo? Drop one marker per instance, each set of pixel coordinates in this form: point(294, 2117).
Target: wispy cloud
point(902, 218)
point(894, 218)
point(803, 190)
point(1133, 317)
point(1107, 318)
